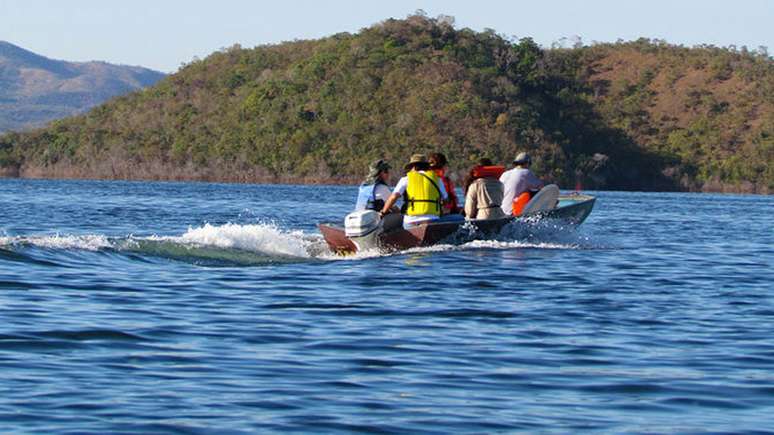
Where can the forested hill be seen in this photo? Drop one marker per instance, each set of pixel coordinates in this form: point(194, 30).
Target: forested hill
point(633, 115)
point(35, 90)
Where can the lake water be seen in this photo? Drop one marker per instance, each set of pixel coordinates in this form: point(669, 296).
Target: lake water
point(212, 308)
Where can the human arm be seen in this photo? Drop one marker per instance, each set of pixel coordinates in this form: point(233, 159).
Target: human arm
point(533, 182)
point(399, 190)
point(471, 205)
point(442, 189)
point(382, 193)
point(453, 203)
point(390, 202)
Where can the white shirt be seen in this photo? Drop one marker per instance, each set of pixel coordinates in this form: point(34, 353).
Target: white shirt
point(515, 182)
point(382, 191)
point(400, 189)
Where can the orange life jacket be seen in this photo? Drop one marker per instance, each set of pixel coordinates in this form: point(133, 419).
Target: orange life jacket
point(451, 205)
point(488, 171)
point(520, 201)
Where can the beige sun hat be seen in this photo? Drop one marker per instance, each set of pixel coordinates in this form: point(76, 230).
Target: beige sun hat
point(416, 158)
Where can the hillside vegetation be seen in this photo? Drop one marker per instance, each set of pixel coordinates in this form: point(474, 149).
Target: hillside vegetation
point(632, 115)
point(35, 90)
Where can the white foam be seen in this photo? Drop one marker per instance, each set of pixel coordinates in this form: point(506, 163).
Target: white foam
point(89, 242)
point(268, 239)
point(262, 238)
point(495, 244)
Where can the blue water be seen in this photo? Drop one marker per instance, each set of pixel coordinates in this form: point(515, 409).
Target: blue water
point(212, 308)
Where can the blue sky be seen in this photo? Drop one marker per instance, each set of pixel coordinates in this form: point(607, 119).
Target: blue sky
point(162, 34)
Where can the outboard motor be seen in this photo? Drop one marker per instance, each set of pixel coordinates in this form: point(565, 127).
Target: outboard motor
point(363, 228)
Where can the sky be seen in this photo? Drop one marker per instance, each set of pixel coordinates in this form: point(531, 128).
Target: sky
point(163, 34)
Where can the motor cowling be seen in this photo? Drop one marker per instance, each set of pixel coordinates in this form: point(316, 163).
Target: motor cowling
point(361, 223)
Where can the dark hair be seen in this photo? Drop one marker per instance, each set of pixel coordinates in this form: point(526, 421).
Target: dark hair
point(421, 166)
point(469, 178)
point(438, 161)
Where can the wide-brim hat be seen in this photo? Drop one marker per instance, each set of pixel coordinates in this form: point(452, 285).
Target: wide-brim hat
point(377, 167)
point(416, 158)
point(522, 158)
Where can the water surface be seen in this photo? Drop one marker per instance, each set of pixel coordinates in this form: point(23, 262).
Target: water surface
point(194, 307)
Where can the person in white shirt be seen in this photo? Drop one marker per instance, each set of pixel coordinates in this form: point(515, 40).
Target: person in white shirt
point(374, 191)
point(517, 181)
point(430, 193)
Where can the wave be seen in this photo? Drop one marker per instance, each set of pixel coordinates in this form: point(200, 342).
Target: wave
point(263, 238)
point(544, 238)
point(255, 244)
point(227, 244)
point(91, 242)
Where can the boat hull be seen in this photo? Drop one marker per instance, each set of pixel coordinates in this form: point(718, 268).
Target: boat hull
point(572, 211)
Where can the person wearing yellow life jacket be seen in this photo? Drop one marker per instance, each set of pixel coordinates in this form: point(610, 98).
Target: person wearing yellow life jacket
point(424, 193)
point(517, 182)
point(484, 192)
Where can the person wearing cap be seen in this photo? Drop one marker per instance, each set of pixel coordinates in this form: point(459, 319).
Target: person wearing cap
point(517, 181)
point(422, 191)
point(374, 191)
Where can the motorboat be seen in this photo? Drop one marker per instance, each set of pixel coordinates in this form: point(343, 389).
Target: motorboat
point(365, 230)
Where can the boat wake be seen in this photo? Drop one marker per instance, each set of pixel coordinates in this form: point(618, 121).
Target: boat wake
point(209, 245)
point(535, 234)
point(264, 244)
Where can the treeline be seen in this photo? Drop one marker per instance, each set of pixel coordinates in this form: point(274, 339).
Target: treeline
point(635, 115)
point(706, 113)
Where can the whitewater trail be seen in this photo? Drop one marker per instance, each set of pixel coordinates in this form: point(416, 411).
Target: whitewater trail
point(89, 242)
point(263, 238)
point(257, 244)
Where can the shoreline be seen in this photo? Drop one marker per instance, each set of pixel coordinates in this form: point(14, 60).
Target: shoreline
point(329, 181)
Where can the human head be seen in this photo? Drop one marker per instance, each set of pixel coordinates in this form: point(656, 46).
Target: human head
point(418, 162)
point(485, 162)
point(385, 175)
point(438, 161)
point(377, 168)
point(522, 159)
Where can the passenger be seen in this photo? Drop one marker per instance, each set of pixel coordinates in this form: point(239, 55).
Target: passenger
point(484, 192)
point(517, 181)
point(374, 191)
point(438, 164)
point(422, 191)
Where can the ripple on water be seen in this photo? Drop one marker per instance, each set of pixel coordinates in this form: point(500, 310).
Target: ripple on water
point(184, 307)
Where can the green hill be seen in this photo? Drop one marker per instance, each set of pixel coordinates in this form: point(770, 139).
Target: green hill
point(637, 115)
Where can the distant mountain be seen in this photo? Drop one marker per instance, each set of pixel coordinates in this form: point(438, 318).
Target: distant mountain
point(35, 89)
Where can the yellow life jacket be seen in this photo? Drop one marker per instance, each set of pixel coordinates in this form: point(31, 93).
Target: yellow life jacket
point(423, 194)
